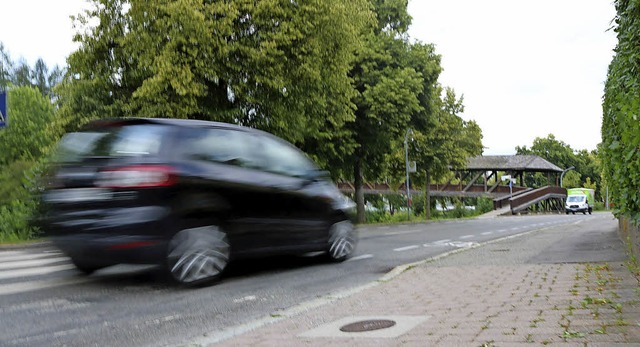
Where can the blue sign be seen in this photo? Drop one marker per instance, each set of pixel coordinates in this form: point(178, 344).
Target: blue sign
point(3, 109)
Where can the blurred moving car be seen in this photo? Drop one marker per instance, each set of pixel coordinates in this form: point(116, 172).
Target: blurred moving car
point(189, 195)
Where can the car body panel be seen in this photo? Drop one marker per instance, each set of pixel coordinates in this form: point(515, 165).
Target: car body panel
point(99, 209)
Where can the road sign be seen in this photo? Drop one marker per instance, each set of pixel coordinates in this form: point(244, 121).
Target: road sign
point(412, 166)
point(3, 109)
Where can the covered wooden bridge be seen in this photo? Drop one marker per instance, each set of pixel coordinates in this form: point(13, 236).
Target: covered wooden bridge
point(483, 176)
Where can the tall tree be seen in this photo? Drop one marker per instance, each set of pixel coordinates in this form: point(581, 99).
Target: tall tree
point(278, 65)
point(443, 142)
point(585, 163)
point(21, 74)
point(389, 83)
point(6, 67)
point(40, 76)
point(44, 79)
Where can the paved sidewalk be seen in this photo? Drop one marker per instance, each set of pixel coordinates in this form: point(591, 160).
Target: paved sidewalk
point(518, 291)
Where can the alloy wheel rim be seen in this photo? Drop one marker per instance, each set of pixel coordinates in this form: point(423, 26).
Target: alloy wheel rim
point(199, 254)
point(342, 241)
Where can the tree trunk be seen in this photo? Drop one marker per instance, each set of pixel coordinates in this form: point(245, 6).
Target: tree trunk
point(427, 195)
point(357, 174)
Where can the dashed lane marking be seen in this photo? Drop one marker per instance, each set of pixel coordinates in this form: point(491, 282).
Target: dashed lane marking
point(361, 257)
point(407, 248)
point(443, 241)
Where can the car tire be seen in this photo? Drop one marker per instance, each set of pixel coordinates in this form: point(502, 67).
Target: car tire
point(342, 241)
point(198, 256)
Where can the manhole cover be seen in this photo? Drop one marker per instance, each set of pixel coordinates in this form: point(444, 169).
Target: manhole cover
point(367, 325)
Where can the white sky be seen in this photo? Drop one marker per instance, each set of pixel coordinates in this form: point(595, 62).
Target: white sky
point(526, 69)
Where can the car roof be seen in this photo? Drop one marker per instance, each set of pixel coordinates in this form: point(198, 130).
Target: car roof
point(196, 123)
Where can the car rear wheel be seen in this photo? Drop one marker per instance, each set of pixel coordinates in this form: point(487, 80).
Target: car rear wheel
point(342, 240)
point(198, 255)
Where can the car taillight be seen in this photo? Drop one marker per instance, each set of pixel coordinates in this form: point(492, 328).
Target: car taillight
point(139, 176)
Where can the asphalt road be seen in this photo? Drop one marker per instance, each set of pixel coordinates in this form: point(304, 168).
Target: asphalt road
point(44, 301)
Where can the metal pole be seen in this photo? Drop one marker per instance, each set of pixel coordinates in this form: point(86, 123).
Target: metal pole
point(406, 162)
point(563, 172)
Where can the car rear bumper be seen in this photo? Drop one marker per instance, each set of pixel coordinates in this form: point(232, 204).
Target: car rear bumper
point(108, 250)
point(137, 235)
point(576, 210)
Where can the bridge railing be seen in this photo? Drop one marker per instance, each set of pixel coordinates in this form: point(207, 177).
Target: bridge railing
point(524, 200)
point(443, 190)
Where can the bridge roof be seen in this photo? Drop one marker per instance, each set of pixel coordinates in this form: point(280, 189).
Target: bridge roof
point(532, 163)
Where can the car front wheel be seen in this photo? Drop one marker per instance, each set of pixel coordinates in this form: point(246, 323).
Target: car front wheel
point(198, 255)
point(342, 240)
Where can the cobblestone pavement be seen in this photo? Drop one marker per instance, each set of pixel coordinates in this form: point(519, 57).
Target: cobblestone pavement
point(492, 295)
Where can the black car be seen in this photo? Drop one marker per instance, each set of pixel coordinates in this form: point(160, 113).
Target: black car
point(189, 195)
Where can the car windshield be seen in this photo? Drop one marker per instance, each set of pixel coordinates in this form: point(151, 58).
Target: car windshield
point(575, 198)
point(113, 141)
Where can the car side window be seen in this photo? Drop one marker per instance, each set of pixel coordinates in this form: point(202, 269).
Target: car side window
point(284, 158)
point(225, 146)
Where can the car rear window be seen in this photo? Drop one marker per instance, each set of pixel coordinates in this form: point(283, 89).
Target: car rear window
point(112, 141)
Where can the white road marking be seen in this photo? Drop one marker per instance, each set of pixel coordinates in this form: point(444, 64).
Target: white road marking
point(443, 241)
point(501, 231)
point(22, 287)
point(29, 263)
point(361, 257)
point(7, 257)
point(466, 237)
point(407, 248)
point(487, 233)
point(402, 232)
point(463, 244)
point(6, 274)
point(245, 299)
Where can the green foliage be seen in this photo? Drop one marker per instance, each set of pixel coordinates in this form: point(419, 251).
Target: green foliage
point(571, 179)
point(587, 167)
point(11, 181)
point(18, 208)
point(25, 141)
point(394, 211)
point(27, 137)
point(484, 205)
point(277, 65)
point(621, 106)
point(16, 222)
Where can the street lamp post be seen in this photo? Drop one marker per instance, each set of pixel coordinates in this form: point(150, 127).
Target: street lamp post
point(563, 172)
point(406, 161)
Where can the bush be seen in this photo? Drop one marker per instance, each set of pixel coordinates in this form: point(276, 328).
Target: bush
point(15, 222)
point(18, 214)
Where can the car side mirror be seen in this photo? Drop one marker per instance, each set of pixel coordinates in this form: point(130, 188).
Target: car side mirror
point(315, 175)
